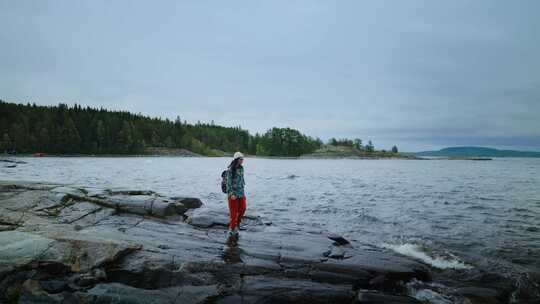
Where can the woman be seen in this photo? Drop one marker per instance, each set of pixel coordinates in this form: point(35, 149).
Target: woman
point(235, 193)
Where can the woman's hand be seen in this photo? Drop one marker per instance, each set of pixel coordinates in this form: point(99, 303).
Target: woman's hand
point(233, 197)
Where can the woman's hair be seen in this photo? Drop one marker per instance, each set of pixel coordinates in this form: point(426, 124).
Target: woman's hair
point(234, 165)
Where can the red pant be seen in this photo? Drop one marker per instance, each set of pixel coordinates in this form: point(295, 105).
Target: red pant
point(237, 208)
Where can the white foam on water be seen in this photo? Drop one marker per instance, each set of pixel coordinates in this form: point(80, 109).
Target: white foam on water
point(429, 292)
point(415, 251)
point(430, 296)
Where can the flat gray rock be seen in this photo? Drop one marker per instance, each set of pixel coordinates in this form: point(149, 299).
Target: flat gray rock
point(206, 218)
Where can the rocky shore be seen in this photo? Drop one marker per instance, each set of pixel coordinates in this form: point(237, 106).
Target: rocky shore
point(61, 244)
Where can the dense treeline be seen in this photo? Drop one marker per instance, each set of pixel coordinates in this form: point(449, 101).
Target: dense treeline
point(73, 129)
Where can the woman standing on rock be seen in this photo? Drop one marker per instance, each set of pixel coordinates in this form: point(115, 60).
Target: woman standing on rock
point(235, 193)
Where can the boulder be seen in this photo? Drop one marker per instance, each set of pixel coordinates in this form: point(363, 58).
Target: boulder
point(338, 239)
point(188, 202)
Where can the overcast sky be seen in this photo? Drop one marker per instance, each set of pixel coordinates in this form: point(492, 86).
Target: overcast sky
point(419, 74)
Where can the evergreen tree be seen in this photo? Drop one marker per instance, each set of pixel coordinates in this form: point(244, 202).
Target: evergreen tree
point(70, 140)
point(43, 140)
point(369, 147)
point(18, 135)
point(6, 143)
point(358, 143)
point(101, 134)
point(125, 138)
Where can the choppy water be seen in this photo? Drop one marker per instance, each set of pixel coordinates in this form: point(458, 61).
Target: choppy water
point(458, 216)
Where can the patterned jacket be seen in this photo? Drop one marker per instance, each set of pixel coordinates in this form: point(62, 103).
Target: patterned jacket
point(236, 186)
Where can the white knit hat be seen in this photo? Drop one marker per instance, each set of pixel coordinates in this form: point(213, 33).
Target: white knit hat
point(238, 155)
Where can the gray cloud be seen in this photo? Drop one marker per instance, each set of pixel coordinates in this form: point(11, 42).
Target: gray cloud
point(420, 74)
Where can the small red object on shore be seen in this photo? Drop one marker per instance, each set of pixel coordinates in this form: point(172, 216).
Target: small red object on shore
point(39, 154)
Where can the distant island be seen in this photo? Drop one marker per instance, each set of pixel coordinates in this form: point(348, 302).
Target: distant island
point(353, 152)
point(29, 129)
point(477, 152)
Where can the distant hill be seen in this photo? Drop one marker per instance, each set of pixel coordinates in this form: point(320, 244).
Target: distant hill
point(477, 151)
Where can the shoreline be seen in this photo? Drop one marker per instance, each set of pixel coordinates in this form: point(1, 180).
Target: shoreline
point(301, 157)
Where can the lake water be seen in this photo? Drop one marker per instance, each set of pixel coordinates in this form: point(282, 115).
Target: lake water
point(461, 217)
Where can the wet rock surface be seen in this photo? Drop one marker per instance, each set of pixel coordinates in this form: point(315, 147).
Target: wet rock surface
point(67, 245)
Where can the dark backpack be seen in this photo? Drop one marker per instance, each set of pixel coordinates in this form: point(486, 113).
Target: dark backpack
point(224, 180)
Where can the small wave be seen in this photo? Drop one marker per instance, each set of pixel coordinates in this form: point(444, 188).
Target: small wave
point(483, 198)
point(369, 218)
point(533, 229)
point(364, 216)
point(476, 207)
point(517, 209)
point(415, 251)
